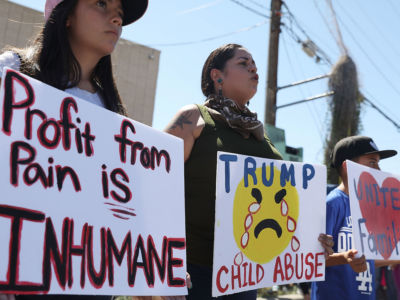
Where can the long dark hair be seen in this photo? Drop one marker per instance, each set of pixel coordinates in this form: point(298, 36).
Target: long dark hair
point(216, 60)
point(50, 60)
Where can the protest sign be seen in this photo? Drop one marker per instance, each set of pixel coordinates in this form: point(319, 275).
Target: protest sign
point(91, 202)
point(269, 214)
point(375, 210)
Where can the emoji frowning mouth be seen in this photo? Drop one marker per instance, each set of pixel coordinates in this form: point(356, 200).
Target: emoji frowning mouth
point(268, 223)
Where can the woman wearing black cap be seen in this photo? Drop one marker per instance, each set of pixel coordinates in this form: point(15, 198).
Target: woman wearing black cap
point(73, 53)
point(73, 50)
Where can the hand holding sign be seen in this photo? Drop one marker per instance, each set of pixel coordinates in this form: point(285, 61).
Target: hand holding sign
point(327, 243)
point(357, 263)
point(375, 207)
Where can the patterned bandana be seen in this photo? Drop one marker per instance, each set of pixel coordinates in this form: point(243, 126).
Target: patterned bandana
point(241, 120)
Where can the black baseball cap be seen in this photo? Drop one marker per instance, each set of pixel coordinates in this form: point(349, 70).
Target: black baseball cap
point(353, 146)
point(133, 9)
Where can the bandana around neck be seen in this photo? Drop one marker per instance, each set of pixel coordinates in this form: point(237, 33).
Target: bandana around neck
point(241, 120)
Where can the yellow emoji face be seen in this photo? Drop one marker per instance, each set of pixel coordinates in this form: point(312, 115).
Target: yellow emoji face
point(264, 218)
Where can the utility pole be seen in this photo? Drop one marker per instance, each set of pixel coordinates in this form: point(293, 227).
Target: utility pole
point(273, 51)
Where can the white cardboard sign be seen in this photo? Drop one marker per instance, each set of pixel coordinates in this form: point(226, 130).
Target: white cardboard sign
point(269, 214)
point(91, 202)
point(375, 210)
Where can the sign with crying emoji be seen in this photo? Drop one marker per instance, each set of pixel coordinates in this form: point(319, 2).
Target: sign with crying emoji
point(269, 214)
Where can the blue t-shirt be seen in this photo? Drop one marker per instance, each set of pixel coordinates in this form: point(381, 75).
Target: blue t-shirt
point(341, 282)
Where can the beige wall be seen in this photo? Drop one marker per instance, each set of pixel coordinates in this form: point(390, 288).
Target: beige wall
point(135, 66)
point(136, 70)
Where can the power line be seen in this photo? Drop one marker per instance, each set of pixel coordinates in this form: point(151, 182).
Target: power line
point(338, 32)
point(291, 65)
point(320, 54)
point(326, 94)
point(376, 27)
point(296, 38)
point(221, 35)
point(301, 90)
point(383, 56)
point(297, 83)
point(369, 58)
point(388, 111)
point(310, 32)
point(211, 38)
point(197, 8)
point(258, 4)
point(380, 72)
point(250, 9)
point(382, 113)
point(395, 9)
point(313, 105)
point(326, 23)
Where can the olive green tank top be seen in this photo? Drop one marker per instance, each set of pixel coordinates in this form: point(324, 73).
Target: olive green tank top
point(200, 181)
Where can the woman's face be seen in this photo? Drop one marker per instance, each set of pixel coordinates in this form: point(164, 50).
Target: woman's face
point(239, 77)
point(95, 26)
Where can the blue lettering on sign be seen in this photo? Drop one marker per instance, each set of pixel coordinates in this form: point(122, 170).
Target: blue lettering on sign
point(250, 166)
point(227, 158)
point(307, 176)
point(287, 174)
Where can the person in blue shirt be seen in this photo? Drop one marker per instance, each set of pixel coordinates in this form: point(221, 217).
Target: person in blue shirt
point(348, 275)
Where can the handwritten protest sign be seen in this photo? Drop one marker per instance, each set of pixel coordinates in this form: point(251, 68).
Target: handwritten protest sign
point(91, 202)
point(269, 214)
point(375, 210)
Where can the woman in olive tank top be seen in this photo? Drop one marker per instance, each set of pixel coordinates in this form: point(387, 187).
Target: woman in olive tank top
point(224, 123)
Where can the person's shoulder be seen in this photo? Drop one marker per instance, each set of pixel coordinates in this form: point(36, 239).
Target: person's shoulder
point(185, 119)
point(190, 108)
point(9, 59)
point(336, 196)
point(190, 112)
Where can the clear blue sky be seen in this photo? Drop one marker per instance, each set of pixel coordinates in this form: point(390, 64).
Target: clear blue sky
point(370, 32)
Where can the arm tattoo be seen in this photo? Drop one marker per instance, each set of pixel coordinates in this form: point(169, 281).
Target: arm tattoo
point(182, 119)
